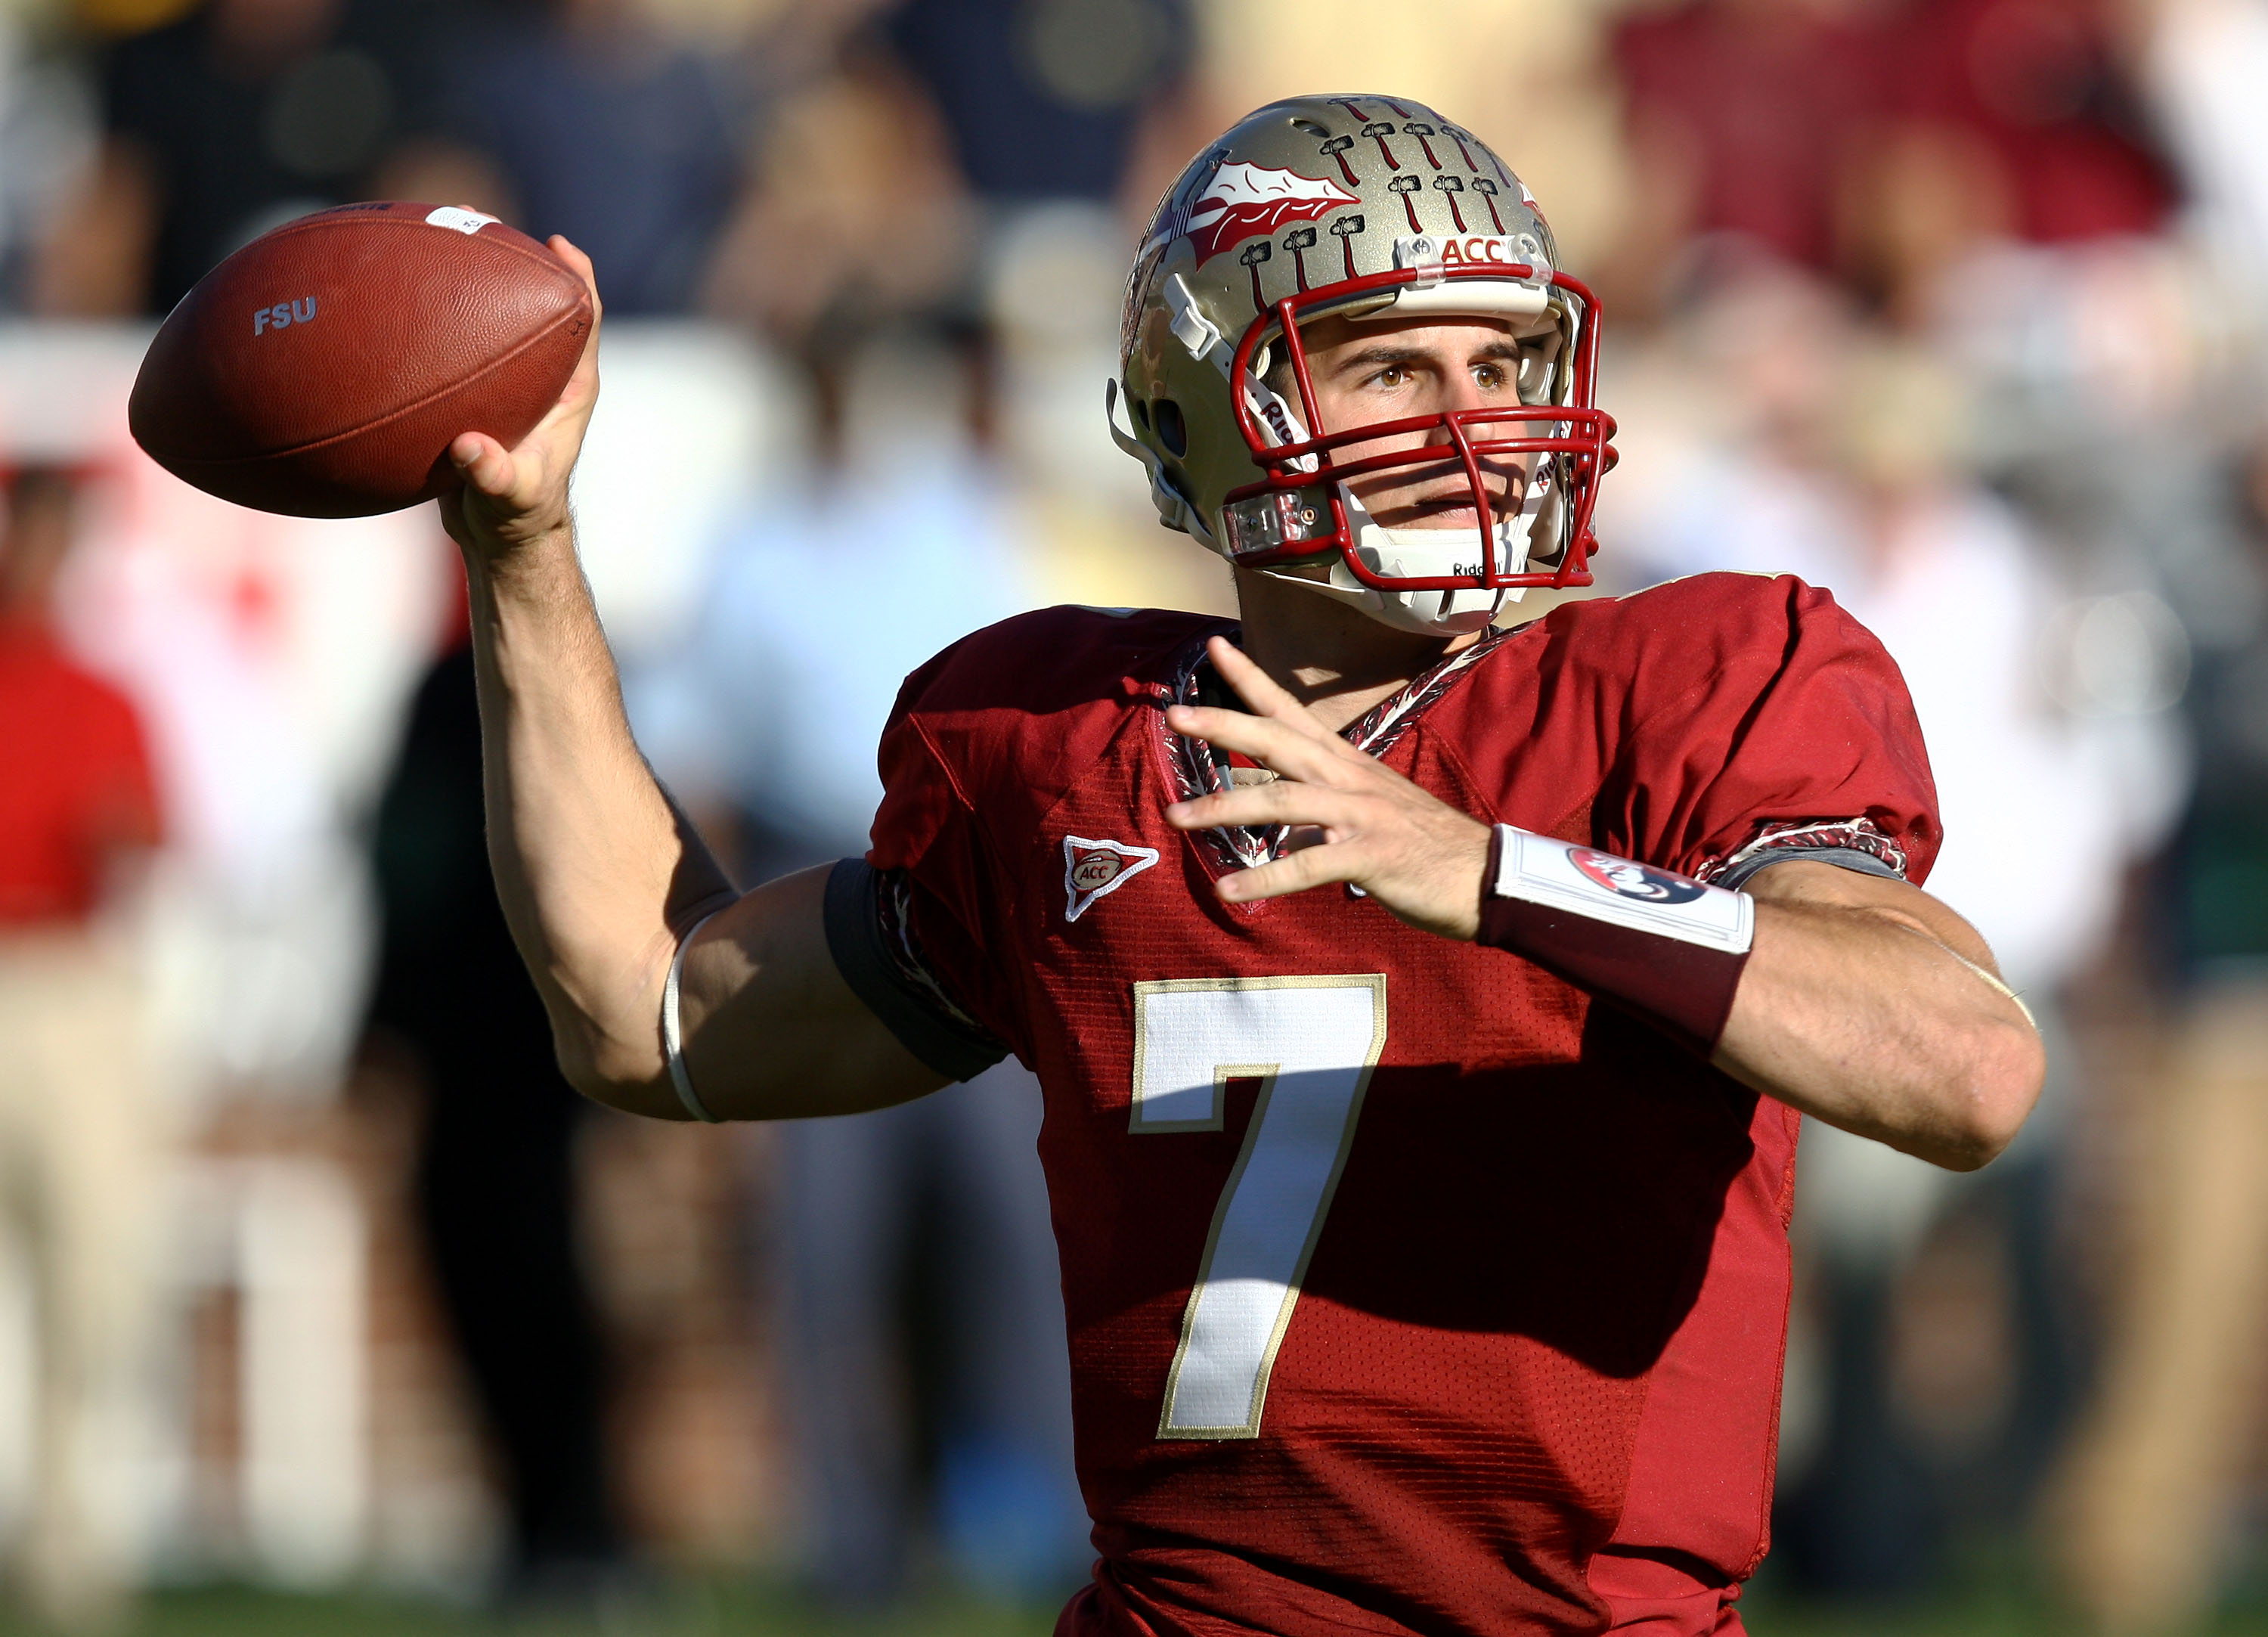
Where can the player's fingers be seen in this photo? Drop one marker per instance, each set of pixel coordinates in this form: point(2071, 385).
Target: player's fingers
point(485, 463)
point(565, 250)
point(1280, 802)
point(1262, 692)
point(1273, 743)
point(582, 389)
point(1294, 872)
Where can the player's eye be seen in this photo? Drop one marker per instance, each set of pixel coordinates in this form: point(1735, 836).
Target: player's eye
point(1392, 377)
point(1489, 376)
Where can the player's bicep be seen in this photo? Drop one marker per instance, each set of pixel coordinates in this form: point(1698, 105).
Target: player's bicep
point(773, 1028)
point(1807, 882)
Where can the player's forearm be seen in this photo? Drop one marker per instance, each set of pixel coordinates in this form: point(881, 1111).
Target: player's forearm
point(1866, 1018)
point(592, 867)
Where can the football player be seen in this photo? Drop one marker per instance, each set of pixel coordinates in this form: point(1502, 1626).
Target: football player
point(1424, 1001)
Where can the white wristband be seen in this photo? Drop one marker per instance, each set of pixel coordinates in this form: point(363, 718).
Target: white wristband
point(673, 1033)
point(1583, 880)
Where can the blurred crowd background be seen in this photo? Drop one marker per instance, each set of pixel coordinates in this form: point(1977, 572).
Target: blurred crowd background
point(315, 1274)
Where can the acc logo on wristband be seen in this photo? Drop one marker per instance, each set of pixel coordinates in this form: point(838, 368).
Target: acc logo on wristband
point(1621, 891)
point(1632, 880)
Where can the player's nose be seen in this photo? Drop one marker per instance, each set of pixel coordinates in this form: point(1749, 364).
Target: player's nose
point(1457, 391)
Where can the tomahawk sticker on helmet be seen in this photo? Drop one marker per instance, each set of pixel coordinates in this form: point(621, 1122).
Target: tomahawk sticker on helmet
point(1359, 207)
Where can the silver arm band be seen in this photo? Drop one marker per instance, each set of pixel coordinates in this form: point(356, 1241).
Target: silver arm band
point(673, 1032)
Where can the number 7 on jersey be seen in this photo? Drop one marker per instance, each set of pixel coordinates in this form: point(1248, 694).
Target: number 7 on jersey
point(1311, 1043)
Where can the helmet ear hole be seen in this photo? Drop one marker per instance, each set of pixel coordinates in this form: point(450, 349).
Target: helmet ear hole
point(1172, 431)
point(1140, 412)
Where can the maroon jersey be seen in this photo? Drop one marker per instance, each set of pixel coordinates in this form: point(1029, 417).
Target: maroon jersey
point(1407, 1290)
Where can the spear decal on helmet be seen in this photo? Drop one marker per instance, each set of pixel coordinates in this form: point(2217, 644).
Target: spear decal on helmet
point(1240, 200)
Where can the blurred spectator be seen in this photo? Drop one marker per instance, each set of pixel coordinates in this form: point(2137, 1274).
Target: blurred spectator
point(1977, 173)
point(855, 217)
point(603, 128)
point(47, 139)
point(235, 118)
point(78, 1128)
point(2157, 1480)
point(1748, 110)
point(1048, 105)
point(821, 603)
point(2047, 86)
point(2205, 62)
point(496, 1173)
point(1860, 135)
point(1001, 130)
point(1042, 97)
point(938, 129)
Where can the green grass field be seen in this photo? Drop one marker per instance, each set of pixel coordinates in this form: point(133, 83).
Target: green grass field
point(741, 1610)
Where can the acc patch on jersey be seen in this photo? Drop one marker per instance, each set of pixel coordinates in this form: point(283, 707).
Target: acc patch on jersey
point(1092, 869)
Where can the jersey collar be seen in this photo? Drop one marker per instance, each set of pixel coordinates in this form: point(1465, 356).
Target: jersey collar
point(1197, 769)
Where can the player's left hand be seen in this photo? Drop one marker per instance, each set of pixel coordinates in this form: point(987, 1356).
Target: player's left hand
point(1352, 818)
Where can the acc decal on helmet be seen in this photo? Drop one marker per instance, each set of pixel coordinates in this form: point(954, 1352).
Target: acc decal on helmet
point(1361, 207)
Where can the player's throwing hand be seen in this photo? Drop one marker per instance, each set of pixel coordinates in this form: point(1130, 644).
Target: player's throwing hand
point(514, 496)
point(1352, 818)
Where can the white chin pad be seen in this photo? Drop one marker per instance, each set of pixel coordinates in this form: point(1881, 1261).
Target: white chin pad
point(1430, 612)
point(1422, 554)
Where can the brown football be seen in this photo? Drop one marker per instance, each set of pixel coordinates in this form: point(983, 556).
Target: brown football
point(323, 370)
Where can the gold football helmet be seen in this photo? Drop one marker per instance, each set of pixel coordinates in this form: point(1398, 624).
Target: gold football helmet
point(1373, 209)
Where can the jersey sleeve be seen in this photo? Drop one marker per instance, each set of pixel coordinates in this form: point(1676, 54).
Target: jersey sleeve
point(870, 936)
point(982, 744)
point(934, 918)
point(1787, 732)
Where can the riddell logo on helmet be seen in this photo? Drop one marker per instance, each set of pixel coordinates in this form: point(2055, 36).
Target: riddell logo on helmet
point(1242, 201)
